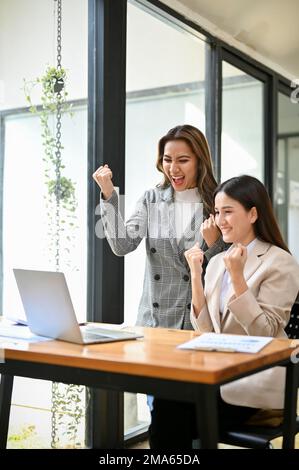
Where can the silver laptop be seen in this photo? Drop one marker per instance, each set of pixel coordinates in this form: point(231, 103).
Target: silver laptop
point(50, 312)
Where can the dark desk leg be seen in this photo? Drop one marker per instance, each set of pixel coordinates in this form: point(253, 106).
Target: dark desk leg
point(290, 406)
point(5, 401)
point(207, 416)
point(105, 420)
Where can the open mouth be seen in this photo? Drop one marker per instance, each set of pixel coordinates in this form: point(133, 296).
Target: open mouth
point(178, 180)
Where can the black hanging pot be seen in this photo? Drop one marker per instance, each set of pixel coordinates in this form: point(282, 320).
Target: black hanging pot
point(58, 85)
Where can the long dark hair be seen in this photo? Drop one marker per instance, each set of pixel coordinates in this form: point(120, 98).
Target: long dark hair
point(196, 140)
point(250, 192)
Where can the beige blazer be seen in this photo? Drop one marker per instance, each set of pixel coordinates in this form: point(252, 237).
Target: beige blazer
point(272, 276)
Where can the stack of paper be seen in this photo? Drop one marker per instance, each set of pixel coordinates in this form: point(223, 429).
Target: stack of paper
point(227, 343)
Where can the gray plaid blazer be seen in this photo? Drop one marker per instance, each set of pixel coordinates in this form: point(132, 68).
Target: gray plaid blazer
point(166, 296)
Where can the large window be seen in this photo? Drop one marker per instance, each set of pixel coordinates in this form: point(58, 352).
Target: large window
point(26, 241)
point(287, 193)
point(27, 234)
point(165, 87)
point(242, 141)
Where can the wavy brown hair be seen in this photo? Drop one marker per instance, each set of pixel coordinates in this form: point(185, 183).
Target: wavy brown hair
point(250, 192)
point(196, 140)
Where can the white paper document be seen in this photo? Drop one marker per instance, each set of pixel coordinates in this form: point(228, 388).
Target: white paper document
point(227, 343)
point(21, 332)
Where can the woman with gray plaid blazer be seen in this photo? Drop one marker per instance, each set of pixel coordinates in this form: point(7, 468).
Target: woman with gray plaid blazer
point(172, 217)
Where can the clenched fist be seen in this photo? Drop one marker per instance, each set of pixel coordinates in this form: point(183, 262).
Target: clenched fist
point(235, 259)
point(209, 230)
point(103, 177)
point(194, 258)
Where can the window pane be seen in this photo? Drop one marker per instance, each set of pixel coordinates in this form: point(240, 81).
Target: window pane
point(26, 245)
point(287, 193)
point(242, 124)
point(28, 34)
point(165, 87)
point(31, 41)
point(26, 236)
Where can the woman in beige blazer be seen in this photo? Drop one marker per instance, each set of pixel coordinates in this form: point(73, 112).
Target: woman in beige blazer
point(249, 290)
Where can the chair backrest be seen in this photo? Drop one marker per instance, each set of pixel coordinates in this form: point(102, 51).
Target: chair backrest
point(292, 328)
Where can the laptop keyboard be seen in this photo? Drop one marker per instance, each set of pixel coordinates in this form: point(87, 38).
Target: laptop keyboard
point(90, 336)
point(99, 335)
point(93, 330)
point(104, 333)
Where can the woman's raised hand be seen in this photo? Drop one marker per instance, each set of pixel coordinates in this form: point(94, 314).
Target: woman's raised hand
point(103, 177)
point(194, 258)
point(209, 230)
point(235, 259)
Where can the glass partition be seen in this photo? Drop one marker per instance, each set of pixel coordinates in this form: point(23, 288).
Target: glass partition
point(242, 140)
point(287, 192)
point(165, 87)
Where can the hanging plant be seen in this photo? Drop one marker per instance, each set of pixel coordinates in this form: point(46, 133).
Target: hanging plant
point(68, 406)
point(68, 401)
point(60, 197)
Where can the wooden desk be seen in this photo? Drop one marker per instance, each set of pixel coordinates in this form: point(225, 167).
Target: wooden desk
point(150, 365)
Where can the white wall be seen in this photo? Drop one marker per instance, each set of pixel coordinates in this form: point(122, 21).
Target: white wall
point(28, 44)
point(158, 54)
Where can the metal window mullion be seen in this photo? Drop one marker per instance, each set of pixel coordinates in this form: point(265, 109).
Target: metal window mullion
point(270, 135)
point(213, 103)
point(106, 144)
point(2, 137)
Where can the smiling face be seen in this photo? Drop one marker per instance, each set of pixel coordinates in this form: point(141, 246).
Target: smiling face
point(235, 222)
point(180, 165)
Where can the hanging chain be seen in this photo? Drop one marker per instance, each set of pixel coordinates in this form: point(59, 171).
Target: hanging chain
point(58, 34)
point(60, 394)
point(58, 86)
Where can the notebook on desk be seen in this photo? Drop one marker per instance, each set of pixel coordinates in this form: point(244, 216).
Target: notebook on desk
point(227, 343)
point(49, 310)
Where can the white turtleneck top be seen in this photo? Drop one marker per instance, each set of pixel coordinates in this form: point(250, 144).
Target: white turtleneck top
point(186, 203)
